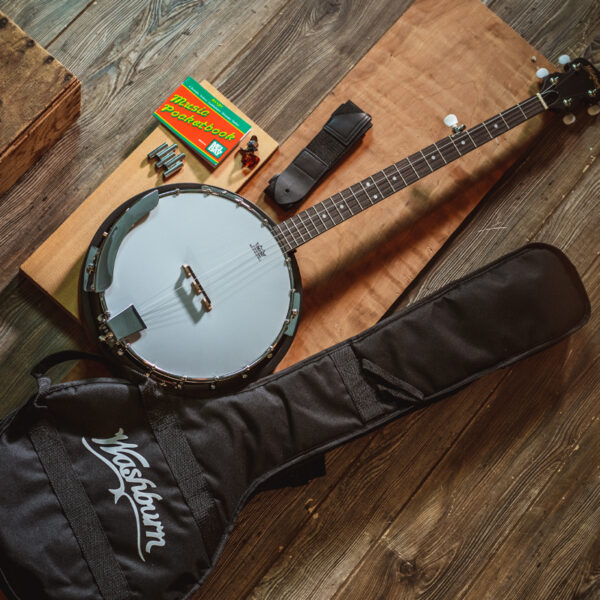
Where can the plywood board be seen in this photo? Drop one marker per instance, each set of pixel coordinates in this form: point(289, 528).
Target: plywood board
point(56, 264)
point(445, 57)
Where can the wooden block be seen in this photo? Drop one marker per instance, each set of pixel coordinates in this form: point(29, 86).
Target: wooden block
point(39, 99)
point(56, 264)
point(454, 56)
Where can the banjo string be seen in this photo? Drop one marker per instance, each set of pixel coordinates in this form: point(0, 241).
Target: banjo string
point(218, 290)
point(280, 237)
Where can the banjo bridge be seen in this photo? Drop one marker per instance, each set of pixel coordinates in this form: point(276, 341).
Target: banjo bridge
point(197, 287)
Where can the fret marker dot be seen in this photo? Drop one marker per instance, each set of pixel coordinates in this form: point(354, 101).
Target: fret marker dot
point(323, 216)
point(375, 196)
point(463, 142)
point(394, 178)
point(433, 157)
point(368, 184)
point(342, 206)
point(495, 125)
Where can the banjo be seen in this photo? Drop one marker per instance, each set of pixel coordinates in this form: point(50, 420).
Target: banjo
point(198, 288)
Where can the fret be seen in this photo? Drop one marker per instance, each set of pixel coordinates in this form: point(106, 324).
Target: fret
point(336, 207)
point(322, 218)
point(281, 237)
point(372, 180)
point(298, 220)
point(364, 192)
point(480, 135)
point(395, 165)
point(309, 212)
point(495, 126)
point(412, 167)
point(449, 149)
point(434, 158)
point(346, 205)
point(419, 164)
point(472, 140)
point(511, 117)
point(291, 233)
point(356, 195)
point(454, 144)
point(464, 141)
point(331, 219)
point(317, 219)
point(383, 185)
point(488, 131)
point(391, 177)
point(408, 171)
point(425, 159)
point(440, 153)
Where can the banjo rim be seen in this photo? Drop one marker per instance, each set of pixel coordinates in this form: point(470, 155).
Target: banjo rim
point(92, 307)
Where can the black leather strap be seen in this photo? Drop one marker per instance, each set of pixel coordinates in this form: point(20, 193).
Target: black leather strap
point(80, 513)
point(345, 126)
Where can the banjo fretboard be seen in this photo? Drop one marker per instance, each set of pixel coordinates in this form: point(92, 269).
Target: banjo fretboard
point(332, 211)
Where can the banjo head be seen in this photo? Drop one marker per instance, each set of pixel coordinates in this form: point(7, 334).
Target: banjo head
point(190, 285)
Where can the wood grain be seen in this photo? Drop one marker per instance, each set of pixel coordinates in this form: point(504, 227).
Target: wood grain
point(44, 21)
point(39, 100)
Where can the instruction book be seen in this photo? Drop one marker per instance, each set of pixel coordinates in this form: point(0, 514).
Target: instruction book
point(202, 122)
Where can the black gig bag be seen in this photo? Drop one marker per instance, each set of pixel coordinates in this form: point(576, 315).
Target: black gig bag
point(115, 489)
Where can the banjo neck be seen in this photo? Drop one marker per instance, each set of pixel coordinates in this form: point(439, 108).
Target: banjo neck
point(332, 211)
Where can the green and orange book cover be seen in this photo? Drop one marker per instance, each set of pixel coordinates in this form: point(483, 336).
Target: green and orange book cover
point(202, 121)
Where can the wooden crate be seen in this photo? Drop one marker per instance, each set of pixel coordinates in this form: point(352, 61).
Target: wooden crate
point(39, 100)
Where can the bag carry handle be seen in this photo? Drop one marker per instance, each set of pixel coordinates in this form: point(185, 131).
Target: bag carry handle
point(40, 369)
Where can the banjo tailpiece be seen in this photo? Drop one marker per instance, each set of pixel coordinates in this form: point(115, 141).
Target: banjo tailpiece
point(140, 487)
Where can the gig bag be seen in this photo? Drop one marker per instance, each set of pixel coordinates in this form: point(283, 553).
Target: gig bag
point(115, 489)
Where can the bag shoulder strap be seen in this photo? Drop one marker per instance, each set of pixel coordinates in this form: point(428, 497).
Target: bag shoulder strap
point(79, 512)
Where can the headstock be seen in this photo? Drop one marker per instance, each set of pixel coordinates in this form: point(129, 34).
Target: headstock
point(567, 92)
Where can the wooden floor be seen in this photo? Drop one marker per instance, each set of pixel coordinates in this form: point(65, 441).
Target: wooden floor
point(494, 493)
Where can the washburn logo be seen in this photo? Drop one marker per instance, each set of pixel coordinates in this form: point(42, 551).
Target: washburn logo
point(127, 465)
point(259, 251)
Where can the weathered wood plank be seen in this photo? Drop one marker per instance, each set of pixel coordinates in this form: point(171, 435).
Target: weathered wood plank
point(39, 100)
point(44, 21)
point(296, 61)
point(555, 28)
point(120, 50)
point(30, 328)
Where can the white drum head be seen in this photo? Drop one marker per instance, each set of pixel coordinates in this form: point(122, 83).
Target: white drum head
point(240, 267)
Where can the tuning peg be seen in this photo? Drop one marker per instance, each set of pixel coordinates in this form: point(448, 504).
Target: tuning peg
point(564, 59)
point(450, 120)
point(593, 109)
point(541, 73)
point(569, 119)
